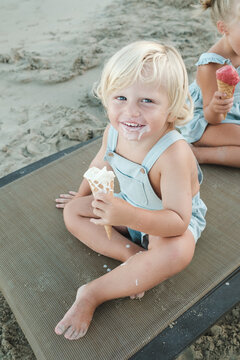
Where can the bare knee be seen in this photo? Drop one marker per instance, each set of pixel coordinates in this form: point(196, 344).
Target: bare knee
point(182, 254)
point(77, 210)
point(177, 250)
point(69, 215)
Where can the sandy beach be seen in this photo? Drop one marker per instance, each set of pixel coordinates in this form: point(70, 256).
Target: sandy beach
point(51, 53)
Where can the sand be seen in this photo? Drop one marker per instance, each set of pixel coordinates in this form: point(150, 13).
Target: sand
point(51, 52)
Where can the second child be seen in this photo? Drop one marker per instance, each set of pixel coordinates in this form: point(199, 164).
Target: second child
point(214, 139)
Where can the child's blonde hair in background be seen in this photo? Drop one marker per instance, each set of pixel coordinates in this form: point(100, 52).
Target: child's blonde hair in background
point(153, 63)
point(223, 10)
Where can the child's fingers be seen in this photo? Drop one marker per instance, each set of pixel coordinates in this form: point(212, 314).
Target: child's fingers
point(224, 108)
point(223, 111)
point(60, 206)
point(100, 205)
point(98, 208)
point(98, 221)
point(223, 97)
point(102, 196)
point(224, 105)
point(226, 101)
point(220, 94)
point(62, 200)
point(60, 203)
point(66, 196)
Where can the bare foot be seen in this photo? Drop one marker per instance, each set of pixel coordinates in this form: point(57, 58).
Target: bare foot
point(77, 319)
point(137, 296)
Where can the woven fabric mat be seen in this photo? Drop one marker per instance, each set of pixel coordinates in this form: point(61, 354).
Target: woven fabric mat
point(42, 265)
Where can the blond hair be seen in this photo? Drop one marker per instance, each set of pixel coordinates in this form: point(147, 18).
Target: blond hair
point(223, 10)
point(153, 63)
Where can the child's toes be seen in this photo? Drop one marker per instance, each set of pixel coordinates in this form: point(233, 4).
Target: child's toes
point(82, 332)
point(69, 333)
point(140, 295)
point(60, 328)
point(137, 296)
point(75, 335)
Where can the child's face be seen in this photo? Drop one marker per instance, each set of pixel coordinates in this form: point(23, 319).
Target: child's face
point(139, 110)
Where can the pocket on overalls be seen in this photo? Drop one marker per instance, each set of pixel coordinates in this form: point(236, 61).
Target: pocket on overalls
point(132, 189)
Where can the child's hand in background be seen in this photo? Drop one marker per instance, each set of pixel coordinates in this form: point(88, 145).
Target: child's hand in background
point(110, 210)
point(220, 104)
point(64, 199)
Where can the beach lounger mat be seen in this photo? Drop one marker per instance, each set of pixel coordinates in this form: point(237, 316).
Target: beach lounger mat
point(42, 265)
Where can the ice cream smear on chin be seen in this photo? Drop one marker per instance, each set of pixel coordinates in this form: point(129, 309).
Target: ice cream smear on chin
point(133, 131)
point(227, 79)
point(101, 180)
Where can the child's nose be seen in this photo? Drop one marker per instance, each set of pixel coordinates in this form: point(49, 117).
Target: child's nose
point(133, 110)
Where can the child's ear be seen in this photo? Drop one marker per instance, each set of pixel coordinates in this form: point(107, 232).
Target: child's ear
point(171, 118)
point(222, 28)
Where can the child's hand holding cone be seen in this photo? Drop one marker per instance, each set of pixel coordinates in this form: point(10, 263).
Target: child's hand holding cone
point(227, 79)
point(101, 180)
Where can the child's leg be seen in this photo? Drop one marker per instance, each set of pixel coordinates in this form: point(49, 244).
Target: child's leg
point(220, 144)
point(144, 270)
point(77, 214)
point(220, 155)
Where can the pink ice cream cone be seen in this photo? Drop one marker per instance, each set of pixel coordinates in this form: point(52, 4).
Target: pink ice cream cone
point(227, 79)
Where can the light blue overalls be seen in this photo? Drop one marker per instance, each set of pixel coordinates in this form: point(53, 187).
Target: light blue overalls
point(136, 188)
point(195, 128)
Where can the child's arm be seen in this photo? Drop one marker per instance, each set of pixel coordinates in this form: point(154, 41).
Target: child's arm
point(176, 192)
point(84, 188)
point(215, 104)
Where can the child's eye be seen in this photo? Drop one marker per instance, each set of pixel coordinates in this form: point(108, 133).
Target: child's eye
point(121, 98)
point(147, 100)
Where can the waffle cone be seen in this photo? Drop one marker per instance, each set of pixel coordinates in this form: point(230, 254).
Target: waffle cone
point(227, 89)
point(95, 187)
point(108, 229)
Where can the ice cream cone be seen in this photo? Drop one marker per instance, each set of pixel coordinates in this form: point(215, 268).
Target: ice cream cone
point(108, 228)
point(101, 180)
point(227, 79)
point(227, 89)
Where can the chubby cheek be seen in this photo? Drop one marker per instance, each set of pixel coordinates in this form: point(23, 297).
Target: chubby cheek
point(115, 114)
point(112, 114)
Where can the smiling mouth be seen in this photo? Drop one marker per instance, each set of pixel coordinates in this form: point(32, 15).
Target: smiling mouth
point(131, 125)
point(133, 131)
